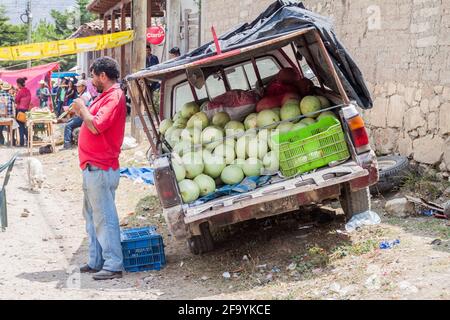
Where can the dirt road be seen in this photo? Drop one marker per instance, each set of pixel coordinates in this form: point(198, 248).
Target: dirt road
point(302, 256)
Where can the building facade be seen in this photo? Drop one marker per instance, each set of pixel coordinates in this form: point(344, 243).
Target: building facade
point(403, 49)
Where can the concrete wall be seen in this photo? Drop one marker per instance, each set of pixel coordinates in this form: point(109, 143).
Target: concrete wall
point(403, 49)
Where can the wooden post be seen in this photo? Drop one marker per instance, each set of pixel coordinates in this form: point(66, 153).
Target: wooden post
point(105, 31)
point(139, 53)
point(122, 48)
point(113, 29)
point(149, 13)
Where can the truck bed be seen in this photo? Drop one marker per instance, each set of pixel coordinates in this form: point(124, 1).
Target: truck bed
point(277, 189)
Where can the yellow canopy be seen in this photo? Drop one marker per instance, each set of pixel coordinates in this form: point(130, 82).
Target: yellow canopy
point(63, 47)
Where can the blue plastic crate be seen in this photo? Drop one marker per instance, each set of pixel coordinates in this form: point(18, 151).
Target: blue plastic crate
point(143, 249)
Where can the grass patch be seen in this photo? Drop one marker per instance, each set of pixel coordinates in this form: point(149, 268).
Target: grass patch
point(315, 257)
point(148, 211)
point(428, 186)
point(423, 226)
point(355, 249)
point(318, 257)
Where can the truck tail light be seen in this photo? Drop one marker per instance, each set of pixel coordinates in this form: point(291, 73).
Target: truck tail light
point(357, 129)
point(165, 183)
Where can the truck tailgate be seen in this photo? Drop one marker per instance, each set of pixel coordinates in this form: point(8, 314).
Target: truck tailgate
point(282, 188)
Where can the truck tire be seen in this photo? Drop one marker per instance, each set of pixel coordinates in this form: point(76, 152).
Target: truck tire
point(354, 202)
point(392, 171)
point(202, 243)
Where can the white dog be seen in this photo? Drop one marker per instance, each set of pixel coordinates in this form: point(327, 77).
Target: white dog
point(36, 175)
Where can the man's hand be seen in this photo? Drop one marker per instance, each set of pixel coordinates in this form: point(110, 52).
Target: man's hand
point(77, 105)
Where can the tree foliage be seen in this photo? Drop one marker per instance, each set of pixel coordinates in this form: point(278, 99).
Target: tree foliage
point(65, 23)
point(10, 34)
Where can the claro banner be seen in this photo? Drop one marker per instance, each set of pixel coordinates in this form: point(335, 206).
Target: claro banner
point(64, 47)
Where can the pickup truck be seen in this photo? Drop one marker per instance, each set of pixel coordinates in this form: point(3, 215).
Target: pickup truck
point(285, 35)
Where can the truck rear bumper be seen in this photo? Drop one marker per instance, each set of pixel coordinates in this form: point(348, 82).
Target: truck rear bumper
point(282, 196)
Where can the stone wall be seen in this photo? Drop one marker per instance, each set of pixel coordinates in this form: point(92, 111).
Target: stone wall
point(403, 49)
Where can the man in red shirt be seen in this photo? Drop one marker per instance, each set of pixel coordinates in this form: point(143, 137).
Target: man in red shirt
point(99, 142)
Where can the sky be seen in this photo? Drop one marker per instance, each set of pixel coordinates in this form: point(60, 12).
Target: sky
point(15, 8)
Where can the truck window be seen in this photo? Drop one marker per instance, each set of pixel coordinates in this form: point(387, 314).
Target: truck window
point(241, 77)
point(237, 78)
point(215, 85)
point(267, 67)
point(183, 94)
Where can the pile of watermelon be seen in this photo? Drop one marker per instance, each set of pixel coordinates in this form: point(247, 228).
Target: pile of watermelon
point(209, 151)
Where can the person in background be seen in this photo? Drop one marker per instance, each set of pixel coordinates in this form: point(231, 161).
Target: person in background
point(22, 100)
point(76, 122)
point(151, 59)
point(91, 89)
point(55, 87)
point(43, 94)
point(61, 97)
point(13, 91)
point(99, 145)
point(6, 106)
point(71, 93)
point(124, 88)
point(83, 76)
point(174, 52)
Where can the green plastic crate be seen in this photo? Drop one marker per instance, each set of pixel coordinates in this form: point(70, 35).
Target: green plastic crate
point(311, 147)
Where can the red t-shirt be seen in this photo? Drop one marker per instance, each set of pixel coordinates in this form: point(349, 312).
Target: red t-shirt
point(103, 149)
point(23, 99)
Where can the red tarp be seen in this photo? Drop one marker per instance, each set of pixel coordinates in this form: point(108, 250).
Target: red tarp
point(33, 75)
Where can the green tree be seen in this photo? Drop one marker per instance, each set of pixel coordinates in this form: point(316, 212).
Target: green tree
point(65, 23)
point(10, 35)
point(68, 21)
point(45, 31)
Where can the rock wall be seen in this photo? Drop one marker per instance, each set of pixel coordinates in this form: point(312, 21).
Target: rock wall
point(403, 49)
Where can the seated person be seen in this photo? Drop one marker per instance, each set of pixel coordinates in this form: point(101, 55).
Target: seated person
point(76, 122)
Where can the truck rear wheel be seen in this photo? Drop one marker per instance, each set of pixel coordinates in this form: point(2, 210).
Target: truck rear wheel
point(202, 243)
point(354, 202)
